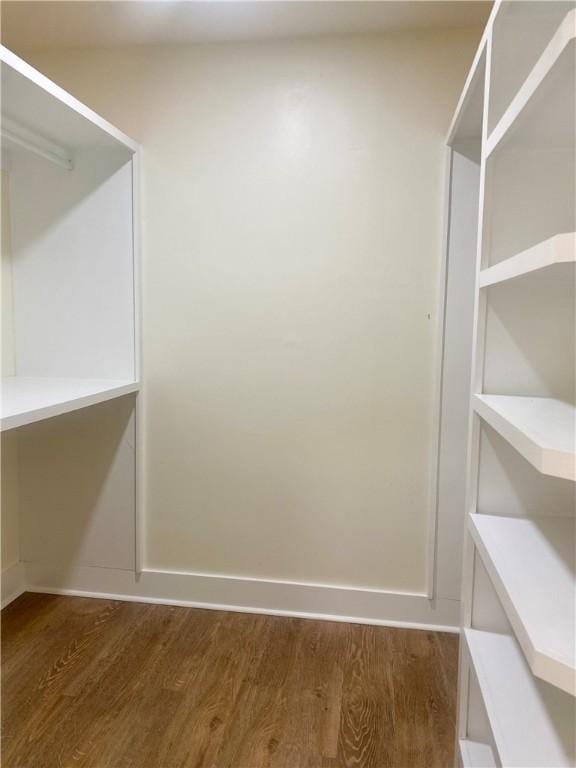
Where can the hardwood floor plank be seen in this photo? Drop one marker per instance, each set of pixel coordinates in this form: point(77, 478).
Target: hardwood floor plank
point(104, 684)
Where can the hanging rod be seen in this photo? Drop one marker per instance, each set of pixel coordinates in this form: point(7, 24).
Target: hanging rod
point(17, 134)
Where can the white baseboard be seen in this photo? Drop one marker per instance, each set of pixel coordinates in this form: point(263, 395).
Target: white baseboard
point(14, 582)
point(230, 593)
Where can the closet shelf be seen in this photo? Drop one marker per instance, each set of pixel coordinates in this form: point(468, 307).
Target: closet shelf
point(39, 107)
point(542, 112)
point(539, 602)
point(26, 400)
point(541, 429)
point(474, 754)
point(531, 722)
point(466, 127)
point(560, 249)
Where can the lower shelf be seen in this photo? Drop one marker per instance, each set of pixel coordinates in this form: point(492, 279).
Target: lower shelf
point(539, 601)
point(26, 400)
point(476, 755)
point(531, 721)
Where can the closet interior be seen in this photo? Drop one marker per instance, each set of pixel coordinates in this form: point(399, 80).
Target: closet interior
point(501, 522)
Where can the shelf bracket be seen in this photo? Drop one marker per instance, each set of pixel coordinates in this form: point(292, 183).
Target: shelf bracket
point(18, 135)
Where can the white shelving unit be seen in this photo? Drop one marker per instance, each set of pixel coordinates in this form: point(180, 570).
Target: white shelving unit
point(530, 726)
point(26, 400)
point(543, 108)
point(70, 324)
point(476, 754)
point(69, 260)
point(545, 628)
point(517, 677)
point(557, 251)
point(541, 429)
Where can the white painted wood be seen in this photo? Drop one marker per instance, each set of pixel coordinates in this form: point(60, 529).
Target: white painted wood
point(466, 131)
point(474, 754)
point(250, 595)
point(541, 429)
point(531, 199)
point(36, 102)
point(456, 366)
point(468, 98)
point(73, 267)
point(523, 337)
point(530, 335)
point(432, 539)
point(521, 31)
point(20, 136)
point(26, 400)
point(74, 271)
point(476, 726)
point(540, 601)
point(487, 611)
point(509, 485)
point(140, 437)
point(532, 722)
point(560, 249)
point(542, 112)
point(476, 377)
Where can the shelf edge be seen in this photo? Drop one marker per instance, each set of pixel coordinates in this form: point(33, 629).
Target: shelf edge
point(49, 411)
point(558, 249)
point(551, 669)
point(564, 35)
point(548, 461)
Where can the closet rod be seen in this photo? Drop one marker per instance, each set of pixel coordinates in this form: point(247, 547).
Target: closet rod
point(19, 135)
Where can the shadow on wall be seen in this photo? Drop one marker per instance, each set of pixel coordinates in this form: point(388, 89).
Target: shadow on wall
point(76, 488)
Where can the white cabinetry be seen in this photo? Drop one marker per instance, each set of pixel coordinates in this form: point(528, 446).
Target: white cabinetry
point(70, 335)
point(518, 650)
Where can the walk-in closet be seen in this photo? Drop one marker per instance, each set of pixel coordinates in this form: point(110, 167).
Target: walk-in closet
point(288, 399)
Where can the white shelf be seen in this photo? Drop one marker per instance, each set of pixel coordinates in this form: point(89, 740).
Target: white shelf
point(26, 400)
point(542, 112)
point(539, 600)
point(32, 100)
point(560, 249)
point(531, 722)
point(465, 133)
point(474, 754)
point(541, 429)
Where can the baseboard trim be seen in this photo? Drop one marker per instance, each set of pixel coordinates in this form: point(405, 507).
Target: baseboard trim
point(231, 593)
point(14, 581)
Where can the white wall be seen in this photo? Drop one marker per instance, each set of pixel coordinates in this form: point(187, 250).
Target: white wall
point(292, 226)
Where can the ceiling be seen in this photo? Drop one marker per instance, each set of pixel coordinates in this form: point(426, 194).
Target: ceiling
point(53, 24)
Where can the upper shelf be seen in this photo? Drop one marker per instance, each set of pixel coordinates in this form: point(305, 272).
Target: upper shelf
point(542, 114)
point(465, 133)
point(531, 722)
point(26, 400)
point(40, 107)
point(541, 429)
point(560, 249)
point(539, 602)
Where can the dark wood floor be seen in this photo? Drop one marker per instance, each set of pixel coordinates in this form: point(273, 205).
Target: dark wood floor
point(123, 685)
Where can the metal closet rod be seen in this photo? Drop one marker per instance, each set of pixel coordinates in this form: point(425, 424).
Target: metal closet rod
point(21, 136)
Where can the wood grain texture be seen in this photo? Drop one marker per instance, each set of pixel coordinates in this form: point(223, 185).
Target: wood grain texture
point(104, 684)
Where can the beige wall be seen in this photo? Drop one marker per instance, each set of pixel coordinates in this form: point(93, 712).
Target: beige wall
point(292, 237)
